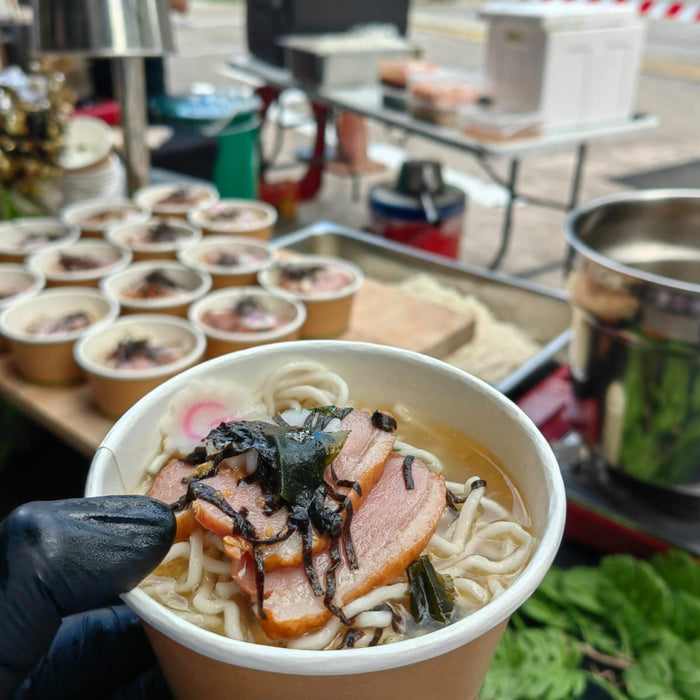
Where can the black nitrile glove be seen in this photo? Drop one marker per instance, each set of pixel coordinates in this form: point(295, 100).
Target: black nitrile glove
point(62, 558)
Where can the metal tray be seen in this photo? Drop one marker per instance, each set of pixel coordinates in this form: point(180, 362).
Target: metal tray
point(543, 312)
point(350, 60)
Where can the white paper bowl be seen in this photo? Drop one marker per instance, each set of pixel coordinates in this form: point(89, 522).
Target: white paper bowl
point(126, 236)
point(260, 228)
point(78, 214)
point(196, 284)
point(49, 359)
point(115, 390)
point(229, 275)
point(46, 262)
point(327, 313)
point(14, 276)
point(452, 661)
point(220, 342)
point(13, 235)
point(150, 197)
point(87, 142)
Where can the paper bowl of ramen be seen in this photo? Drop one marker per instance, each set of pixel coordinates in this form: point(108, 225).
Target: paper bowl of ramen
point(326, 285)
point(230, 260)
point(506, 542)
point(94, 216)
point(133, 355)
point(243, 317)
point(17, 283)
point(22, 237)
point(241, 217)
point(42, 330)
point(177, 199)
point(155, 239)
point(156, 286)
point(83, 263)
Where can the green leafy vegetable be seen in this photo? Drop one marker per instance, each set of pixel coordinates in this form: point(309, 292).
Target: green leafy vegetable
point(431, 595)
point(629, 627)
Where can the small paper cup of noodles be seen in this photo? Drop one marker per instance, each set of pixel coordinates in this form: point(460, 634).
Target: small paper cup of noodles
point(128, 358)
point(20, 238)
point(326, 285)
point(17, 283)
point(177, 199)
point(155, 239)
point(83, 263)
point(240, 217)
point(94, 216)
point(156, 286)
point(41, 331)
point(243, 317)
point(231, 261)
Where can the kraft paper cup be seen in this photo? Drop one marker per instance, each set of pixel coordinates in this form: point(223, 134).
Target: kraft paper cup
point(291, 312)
point(130, 236)
point(20, 238)
point(115, 390)
point(261, 227)
point(327, 313)
point(254, 256)
point(47, 263)
point(199, 196)
point(48, 359)
point(17, 282)
point(195, 285)
point(123, 210)
point(451, 661)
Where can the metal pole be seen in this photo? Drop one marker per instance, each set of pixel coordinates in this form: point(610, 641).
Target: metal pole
point(130, 85)
point(508, 217)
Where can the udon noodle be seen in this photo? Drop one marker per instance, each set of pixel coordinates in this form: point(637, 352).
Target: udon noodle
point(480, 544)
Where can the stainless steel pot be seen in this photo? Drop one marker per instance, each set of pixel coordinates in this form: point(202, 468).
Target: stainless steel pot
point(634, 286)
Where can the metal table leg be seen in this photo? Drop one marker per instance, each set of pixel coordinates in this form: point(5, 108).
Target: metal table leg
point(581, 152)
point(511, 186)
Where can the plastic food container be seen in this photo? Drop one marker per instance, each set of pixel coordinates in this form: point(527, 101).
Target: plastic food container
point(115, 389)
point(328, 306)
point(231, 261)
point(210, 314)
point(490, 124)
point(46, 356)
point(437, 97)
point(22, 237)
point(198, 663)
point(156, 286)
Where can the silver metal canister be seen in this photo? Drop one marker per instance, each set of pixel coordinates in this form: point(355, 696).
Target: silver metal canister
point(634, 286)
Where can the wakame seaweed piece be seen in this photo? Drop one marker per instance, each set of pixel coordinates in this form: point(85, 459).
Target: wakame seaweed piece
point(432, 596)
point(302, 459)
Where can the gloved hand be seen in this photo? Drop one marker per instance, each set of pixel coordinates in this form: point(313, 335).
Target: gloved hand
point(59, 559)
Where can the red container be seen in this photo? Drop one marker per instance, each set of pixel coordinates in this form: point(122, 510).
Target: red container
point(419, 210)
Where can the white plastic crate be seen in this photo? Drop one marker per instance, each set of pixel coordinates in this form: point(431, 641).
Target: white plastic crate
point(575, 64)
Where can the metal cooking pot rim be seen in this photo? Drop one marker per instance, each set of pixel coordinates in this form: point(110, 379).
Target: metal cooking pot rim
point(625, 198)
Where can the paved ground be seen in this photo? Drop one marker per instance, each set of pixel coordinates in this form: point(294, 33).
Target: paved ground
point(450, 34)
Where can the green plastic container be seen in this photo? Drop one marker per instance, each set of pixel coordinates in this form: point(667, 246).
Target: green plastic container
point(237, 165)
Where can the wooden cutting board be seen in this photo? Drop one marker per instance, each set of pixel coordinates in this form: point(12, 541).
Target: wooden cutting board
point(383, 314)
